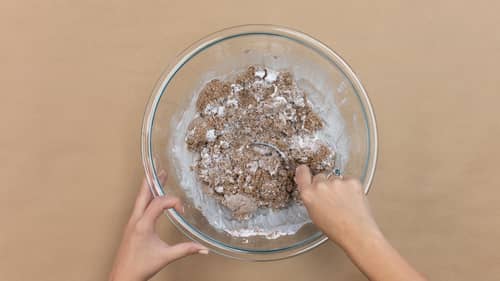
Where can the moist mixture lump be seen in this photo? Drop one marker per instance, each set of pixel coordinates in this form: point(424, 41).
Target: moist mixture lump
point(249, 134)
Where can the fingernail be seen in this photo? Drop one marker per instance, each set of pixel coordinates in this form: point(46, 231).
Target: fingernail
point(203, 251)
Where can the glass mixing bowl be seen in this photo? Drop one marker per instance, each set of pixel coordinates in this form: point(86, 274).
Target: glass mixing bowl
point(235, 49)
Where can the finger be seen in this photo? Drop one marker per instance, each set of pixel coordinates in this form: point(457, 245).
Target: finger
point(157, 206)
point(302, 177)
point(181, 250)
point(320, 178)
point(143, 198)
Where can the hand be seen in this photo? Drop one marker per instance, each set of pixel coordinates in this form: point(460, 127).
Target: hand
point(142, 253)
point(338, 207)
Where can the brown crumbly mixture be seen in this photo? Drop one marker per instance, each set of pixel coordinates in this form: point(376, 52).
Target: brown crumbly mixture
point(259, 105)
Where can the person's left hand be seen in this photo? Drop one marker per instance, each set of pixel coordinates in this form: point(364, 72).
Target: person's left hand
point(142, 253)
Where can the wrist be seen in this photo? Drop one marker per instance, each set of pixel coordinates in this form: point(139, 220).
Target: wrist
point(352, 237)
point(359, 241)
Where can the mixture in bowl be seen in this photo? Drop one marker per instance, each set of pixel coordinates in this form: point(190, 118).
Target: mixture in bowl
point(249, 133)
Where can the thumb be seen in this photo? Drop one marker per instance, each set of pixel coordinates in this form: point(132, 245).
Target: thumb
point(175, 252)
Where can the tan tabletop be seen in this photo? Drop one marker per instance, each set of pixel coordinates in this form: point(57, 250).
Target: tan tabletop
point(75, 77)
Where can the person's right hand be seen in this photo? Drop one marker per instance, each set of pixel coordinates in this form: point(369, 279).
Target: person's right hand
point(338, 207)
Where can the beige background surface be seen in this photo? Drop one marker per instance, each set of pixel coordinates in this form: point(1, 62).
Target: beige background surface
point(75, 77)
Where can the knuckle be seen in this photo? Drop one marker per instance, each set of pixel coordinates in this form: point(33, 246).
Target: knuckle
point(161, 202)
point(322, 185)
point(157, 201)
point(319, 177)
point(174, 200)
point(336, 182)
point(165, 201)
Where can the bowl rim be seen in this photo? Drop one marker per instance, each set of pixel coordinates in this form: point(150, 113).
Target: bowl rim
point(192, 50)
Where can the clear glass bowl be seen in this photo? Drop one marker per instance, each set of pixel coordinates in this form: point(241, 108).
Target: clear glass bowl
point(234, 49)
